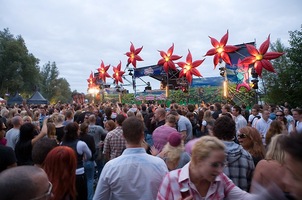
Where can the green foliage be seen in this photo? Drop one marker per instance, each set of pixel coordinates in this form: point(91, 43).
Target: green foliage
point(19, 69)
point(54, 88)
point(286, 84)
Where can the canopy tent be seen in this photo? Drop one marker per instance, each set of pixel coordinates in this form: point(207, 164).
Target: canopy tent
point(17, 99)
point(37, 98)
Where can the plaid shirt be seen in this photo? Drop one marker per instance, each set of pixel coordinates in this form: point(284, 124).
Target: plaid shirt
point(114, 143)
point(221, 188)
point(240, 166)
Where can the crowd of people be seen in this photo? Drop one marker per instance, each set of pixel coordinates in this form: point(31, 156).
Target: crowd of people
point(150, 151)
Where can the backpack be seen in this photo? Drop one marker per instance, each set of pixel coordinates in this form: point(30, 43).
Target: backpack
point(258, 117)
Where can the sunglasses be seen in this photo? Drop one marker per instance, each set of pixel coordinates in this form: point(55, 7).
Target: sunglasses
point(242, 136)
point(279, 115)
point(218, 164)
point(47, 194)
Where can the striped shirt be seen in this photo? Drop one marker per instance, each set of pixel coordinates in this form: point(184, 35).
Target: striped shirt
point(221, 188)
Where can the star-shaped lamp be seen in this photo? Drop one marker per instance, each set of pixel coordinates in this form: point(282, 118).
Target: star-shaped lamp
point(189, 68)
point(261, 59)
point(103, 72)
point(221, 50)
point(117, 73)
point(133, 55)
point(167, 59)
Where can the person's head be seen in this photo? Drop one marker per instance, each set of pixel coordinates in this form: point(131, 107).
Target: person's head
point(275, 128)
point(173, 149)
point(208, 158)
point(171, 120)
point(120, 119)
point(108, 112)
point(17, 121)
point(27, 119)
point(224, 128)
point(24, 182)
point(69, 115)
point(160, 114)
point(286, 111)
point(60, 165)
point(226, 109)
point(110, 125)
point(41, 148)
point(280, 116)
point(58, 118)
point(236, 110)
point(139, 116)
point(92, 119)
point(275, 150)
point(207, 115)
point(217, 106)
point(51, 130)
point(2, 128)
point(83, 128)
point(175, 113)
point(71, 131)
point(133, 136)
point(297, 114)
point(255, 110)
point(250, 139)
point(265, 114)
point(292, 146)
point(191, 108)
point(27, 132)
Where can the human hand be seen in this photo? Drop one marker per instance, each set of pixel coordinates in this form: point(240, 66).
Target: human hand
point(154, 151)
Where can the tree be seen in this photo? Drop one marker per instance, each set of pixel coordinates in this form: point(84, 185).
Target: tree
point(19, 69)
point(54, 88)
point(285, 85)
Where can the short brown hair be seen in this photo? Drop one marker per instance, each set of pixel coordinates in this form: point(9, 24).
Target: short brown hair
point(133, 130)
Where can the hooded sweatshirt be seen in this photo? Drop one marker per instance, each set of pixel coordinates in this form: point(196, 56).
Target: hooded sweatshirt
point(240, 165)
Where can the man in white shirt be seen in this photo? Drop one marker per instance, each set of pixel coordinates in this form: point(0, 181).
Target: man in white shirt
point(297, 123)
point(135, 174)
point(239, 119)
point(263, 124)
point(254, 116)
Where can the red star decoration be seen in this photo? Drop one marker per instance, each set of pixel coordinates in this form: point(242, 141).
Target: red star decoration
point(103, 72)
point(133, 55)
point(189, 68)
point(91, 80)
point(221, 50)
point(261, 59)
point(117, 73)
point(168, 58)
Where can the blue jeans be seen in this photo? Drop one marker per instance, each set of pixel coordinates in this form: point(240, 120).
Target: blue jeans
point(89, 171)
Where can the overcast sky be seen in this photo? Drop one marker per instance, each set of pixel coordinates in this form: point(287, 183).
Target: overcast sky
point(78, 34)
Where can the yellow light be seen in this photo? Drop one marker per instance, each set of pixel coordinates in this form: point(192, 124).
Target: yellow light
point(167, 58)
point(220, 49)
point(225, 89)
point(132, 56)
point(259, 57)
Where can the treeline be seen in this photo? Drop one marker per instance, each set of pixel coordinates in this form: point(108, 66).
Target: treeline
point(20, 72)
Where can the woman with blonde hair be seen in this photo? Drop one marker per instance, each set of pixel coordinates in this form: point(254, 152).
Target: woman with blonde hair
point(203, 177)
point(275, 128)
point(207, 117)
point(174, 153)
point(268, 171)
point(250, 140)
